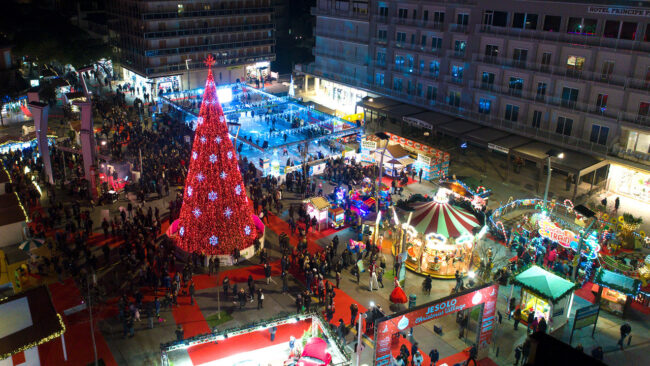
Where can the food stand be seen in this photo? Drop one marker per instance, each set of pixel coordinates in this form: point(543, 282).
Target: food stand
point(547, 294)
point(439, 239)
point(318, 207)
point(615, 291)
point(336, 217)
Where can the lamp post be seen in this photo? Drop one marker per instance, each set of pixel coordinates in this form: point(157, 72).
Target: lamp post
point(584, 211)
point(361, 317)
point(237, 133)
point(382, 137)
point(187, 67)
point(549, 154)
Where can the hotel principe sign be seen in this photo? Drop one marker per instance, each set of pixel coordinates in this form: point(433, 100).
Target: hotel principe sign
point(634, 12)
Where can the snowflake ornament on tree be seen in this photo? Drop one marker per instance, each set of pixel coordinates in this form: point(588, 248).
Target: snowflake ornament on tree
point(214, 187)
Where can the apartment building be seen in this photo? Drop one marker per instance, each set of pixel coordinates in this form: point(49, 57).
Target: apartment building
point(163, 43)
point(569, 73)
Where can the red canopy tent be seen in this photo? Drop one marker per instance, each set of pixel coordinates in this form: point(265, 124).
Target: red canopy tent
point(442, 218)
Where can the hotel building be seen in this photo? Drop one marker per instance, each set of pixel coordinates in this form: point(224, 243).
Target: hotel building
point(514, 76)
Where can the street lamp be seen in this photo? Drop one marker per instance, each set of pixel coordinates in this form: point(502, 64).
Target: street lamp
point(187, 67)
point(382, 137)
point(584, 211)
point(236, 134)
point(550, 154)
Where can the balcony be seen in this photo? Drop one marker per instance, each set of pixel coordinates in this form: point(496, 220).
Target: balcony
point(349, 14)
point(208, 30)
point(340, 57)
point(407, 22)
point(180, 67)
point(379, 41)
point(459, 28)
point(340, 36)
point(206, 13)
point(563, 72)
point(210, 47)
point(565, 38)
point(459, 55)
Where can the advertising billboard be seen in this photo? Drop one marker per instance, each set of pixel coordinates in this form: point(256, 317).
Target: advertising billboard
point(387, 327)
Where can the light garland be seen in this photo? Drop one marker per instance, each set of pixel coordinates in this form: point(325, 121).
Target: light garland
point(39, 342)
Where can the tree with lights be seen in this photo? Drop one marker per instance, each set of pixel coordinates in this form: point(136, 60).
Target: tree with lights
point(216, 216)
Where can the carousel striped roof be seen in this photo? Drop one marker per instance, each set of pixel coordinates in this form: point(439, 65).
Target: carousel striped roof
point(442, 218)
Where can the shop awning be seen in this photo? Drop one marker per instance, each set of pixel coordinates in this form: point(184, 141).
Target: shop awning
point(379, 103)
point(504, 144)
point(429, 117)
point(397, 151)
point(618, 282)
point(573, 162)
point(544, 284)
point(400, 110)
point(319, 203)
point(458, 127)
point(485, 135)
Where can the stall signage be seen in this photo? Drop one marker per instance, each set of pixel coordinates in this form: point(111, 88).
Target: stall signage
point(635, 12)
point(586, 316)
point(400, 321)
point(370, 145)
point(417, 122)
point(426, 160)
point(565, 238)
point(502, 149)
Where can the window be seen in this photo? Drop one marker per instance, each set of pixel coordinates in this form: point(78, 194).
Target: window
point(484, 106)
point(462, 19)
point(419, 89)
point(495, 18)
point(382, 34)
point(487, 80)
point(541, 91)
point(180, 9)
point(436, 43)
point(459, 48)
point(628, 31)
point(402, 13)
point(512, 112)
point(611, 28)
point(415, 13)
point(423, 41)
point(439, 17)
point(519, 56)
point(409, 63)
point(599, 134)
point(569, 97)
point(491, 51)
point(434, 68)
point(516, 86)
point(359, 7)
point(381, 58)
point(412, 39)
point(537, 119)
point(524, 21)
point(457, 73)
point(454, 98)
point(379, 79)
point(421, 66)
point(399, 62)
point(383, 11)
point(400, 37)
point(397, 84)
point(575, 63)
point(601, 102)
point(552, 23)
point(409, 87)
point(546, 60)
point(564, 126)
point(425, 15)
point(582, 26)
point(644, 109)
point(608, 69)
point(432, 92)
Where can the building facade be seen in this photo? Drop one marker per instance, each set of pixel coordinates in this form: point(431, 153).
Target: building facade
point(164, 43)
point(571, 74)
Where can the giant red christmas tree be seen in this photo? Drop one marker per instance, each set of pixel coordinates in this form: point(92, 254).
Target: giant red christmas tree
point(216, 216)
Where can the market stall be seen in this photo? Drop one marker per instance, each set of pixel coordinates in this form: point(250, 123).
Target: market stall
point(336, 217)
point(615, 291)
point(439, 239)
point(546, 294)
point(318, 207)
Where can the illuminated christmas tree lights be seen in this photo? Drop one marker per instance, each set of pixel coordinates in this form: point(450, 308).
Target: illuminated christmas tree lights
point(215, 217)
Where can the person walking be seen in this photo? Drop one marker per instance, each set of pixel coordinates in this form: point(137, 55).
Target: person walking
point(267, 273)
point(341, 330)
point(625, 330)
point(529, 321)
point(517, 355)
point(354, 310)
point(517, 317)
point(542, 326)
point(179, 333)
point(285, 282)
point(434, 355)
point(273, 330)
point(617, 204)
point(417, 359)
point(192, 290)
point(525, 351)
point(260, 299)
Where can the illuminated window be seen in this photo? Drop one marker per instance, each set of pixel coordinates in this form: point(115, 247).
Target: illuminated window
point(484, 106)
point(582, 26)
point(575, 63)
point(180, 9)
point(512, 112)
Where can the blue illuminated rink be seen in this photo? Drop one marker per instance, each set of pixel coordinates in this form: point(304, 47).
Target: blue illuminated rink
point(275, 128)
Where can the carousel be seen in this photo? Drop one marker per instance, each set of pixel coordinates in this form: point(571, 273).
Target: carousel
point(439, 238)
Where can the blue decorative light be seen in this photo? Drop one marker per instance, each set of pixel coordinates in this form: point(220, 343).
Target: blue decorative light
point(196, 212)
point(223, 175)
point(217, 139)
point(213, 158)
point(189, 191)
point(203, 139)
point(200, 177)
point(229, 154)
point(199, 120)
point(247, 230)
point(214, 240)
point(212, 196)
point(194, 155)
point(238, 190)
point(181, 232)
point(227, 212)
